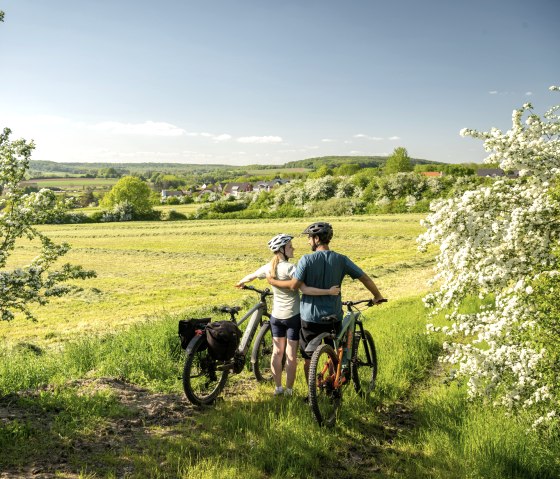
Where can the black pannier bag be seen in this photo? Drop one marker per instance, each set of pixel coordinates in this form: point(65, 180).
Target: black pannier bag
point(223, 337)
point(188, 327)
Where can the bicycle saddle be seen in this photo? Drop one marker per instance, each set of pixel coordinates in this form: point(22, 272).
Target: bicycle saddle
point(230, 309)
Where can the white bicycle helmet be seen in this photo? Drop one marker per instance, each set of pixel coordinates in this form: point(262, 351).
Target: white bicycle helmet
point(279, 241)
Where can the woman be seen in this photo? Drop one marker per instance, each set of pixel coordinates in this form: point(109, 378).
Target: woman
point(285, 319)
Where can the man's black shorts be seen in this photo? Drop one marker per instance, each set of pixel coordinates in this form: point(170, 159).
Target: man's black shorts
point(310, 331)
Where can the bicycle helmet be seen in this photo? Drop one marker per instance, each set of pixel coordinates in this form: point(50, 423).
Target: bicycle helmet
point(321, 229)
point(279, 241)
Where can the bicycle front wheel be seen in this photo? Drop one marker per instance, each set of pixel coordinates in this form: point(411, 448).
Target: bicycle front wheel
point(364, 363)
point(262, 354)
point(324, 397)
point(202, 381)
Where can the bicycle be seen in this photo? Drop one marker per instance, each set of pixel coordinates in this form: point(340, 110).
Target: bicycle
point(205, 377)
point(352, 357)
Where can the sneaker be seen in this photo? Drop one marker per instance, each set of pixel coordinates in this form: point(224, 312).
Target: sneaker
point(278, 391)
point(288, 391)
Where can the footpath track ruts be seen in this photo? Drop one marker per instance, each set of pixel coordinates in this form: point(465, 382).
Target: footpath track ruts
point(145, 410)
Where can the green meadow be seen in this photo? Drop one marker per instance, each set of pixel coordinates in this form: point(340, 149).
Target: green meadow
point(75, 183)
point(147, 268)
point(92, 389)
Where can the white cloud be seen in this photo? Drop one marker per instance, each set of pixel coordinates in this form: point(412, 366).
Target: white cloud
point(393, 138)
point(327, 140)
point(222, 137)
point(212, 136)
point(493, 92)
point(528, 93)
point(367, 137)
point(148, 128)
point(260, 139)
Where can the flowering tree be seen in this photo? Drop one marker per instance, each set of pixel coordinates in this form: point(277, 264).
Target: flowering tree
point(496, 243)
point(38, 281)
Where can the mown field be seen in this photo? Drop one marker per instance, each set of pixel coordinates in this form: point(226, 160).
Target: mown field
point(92, 389)
point(146, 268)
point(74, 184)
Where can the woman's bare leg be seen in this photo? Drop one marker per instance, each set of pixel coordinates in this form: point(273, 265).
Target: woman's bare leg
point(291, 362)
point(279, 345)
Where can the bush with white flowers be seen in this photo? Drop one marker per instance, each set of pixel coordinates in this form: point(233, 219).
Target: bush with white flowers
point(495, 243)
point(19, 212)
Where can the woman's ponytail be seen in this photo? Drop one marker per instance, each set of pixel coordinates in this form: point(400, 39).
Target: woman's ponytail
point(273, 264)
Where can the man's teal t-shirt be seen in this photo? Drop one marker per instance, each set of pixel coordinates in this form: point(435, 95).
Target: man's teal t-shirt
point(323, 269)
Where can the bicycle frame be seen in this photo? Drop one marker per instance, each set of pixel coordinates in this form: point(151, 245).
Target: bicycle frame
point(256, 313)
point(343, 342)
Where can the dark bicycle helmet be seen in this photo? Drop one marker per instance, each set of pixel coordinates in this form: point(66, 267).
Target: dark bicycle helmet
point(321, 229)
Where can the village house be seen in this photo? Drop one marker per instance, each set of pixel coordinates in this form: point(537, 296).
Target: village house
point(171, 193)
point(268, 185)
point(236, 189)
point(496, 173)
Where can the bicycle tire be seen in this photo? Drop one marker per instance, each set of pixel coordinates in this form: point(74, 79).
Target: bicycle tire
point(324, 398)
point(364, 370)
point(262, 354)
point(202, 382)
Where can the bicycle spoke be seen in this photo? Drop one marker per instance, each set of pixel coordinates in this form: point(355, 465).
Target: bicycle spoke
point(364, 364)
point(201, 381)
point(324, 397)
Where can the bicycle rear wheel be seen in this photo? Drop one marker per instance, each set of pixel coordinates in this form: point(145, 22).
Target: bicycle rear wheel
point(262, 354)
point(202, 381)
point(364, 363)
point(324, 397)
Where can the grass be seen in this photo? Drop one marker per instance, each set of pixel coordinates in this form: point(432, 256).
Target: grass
point(234, 438)
point(148, 268)
point(98, 394)
point(75, 184)
point(413, 426)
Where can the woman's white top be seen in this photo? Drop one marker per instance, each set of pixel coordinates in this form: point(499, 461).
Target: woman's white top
point(286, 301)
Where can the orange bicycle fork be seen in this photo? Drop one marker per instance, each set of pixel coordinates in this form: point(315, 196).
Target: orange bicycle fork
point(338, 379)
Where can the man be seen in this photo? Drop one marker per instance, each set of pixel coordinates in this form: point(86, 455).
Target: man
point(322, 269)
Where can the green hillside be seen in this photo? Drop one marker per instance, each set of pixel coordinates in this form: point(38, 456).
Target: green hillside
point(334, 161)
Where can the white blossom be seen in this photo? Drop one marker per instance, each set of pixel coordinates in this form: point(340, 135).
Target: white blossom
point(494, 241)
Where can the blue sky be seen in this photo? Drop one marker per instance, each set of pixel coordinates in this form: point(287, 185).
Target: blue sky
point(248, 81)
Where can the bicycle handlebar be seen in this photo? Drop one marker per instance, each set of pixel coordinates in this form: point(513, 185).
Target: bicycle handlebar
point(370, 302)
point(263, 293)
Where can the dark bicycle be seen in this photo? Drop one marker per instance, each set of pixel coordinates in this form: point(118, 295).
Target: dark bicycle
point(351, 358)
point(204, 377)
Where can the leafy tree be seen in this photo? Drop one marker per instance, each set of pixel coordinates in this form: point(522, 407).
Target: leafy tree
point(87, 198)
point(109, 173)
point(398, 162)
point(346, 169)
point(321, 172)
point(132, 190)
point(365, 176)
point(19, 212)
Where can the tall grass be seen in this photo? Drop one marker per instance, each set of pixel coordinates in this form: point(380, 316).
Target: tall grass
point(413, 426)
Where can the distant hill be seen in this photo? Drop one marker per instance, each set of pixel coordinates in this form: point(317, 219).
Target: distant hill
point(84, 168)
point(334, 161)
point(76, 168)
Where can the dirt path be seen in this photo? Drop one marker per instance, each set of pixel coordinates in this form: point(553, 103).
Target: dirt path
point(146, 410)
point(148, 414)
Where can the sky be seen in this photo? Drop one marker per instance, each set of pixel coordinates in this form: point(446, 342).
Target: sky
point(245, 82)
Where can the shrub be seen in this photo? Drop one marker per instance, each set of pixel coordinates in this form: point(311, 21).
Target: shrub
point(331, 207)
point(172, 215)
